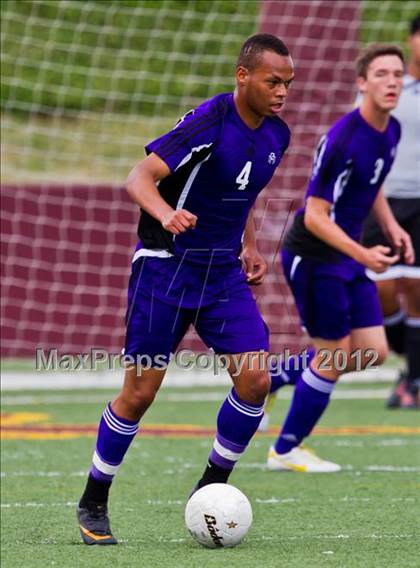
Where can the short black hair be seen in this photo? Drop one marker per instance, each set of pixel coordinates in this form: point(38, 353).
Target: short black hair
point(371, 52)
point(252, 50)
point(415, 25)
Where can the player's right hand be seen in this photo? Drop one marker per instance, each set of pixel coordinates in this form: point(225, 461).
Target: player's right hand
point(179, 221)
point(377, 258)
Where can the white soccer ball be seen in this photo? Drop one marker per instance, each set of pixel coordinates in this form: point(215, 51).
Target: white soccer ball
point(218, 515)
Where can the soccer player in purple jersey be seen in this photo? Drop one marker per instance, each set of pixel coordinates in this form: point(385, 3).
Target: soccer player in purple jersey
point(196, 189)
point(324, 262)
point(399, 286)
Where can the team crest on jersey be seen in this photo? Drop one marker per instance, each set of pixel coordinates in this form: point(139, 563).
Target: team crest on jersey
point(271, 158)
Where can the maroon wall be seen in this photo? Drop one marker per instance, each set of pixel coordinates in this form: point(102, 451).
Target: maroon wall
point(65, 260)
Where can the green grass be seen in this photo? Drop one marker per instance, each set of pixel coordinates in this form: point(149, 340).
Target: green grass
point(388, 20)
point(105, 147)
point(358, 518)
point(86, 84)
point(115, 56)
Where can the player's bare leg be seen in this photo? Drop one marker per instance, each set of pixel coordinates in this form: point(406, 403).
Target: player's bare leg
point(325, 350)
point(239, 415)
point(117, 429)
point(251, 380)
point(388, 293)
point(139, 390)
point(369, 347)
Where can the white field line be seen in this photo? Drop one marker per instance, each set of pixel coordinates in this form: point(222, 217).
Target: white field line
point(286, 393)
point(310, 536)
point(300, 537)
point(181, 502)
point(305, 537)
point(262, 466)
point(349, 468)
point(35, 505)
point(391, 468)
point(175, 378)
point(43, 474)
point(275, 501)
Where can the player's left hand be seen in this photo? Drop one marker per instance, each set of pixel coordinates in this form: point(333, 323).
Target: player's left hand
point(255, 266)
point(401, 241)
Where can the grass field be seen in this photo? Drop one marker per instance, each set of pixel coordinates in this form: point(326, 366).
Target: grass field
point(82, 81)
point(366, 516)
point(88, 49)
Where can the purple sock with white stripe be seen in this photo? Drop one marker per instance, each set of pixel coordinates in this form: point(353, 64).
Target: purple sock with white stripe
point(310, 399)
point(114, 437)
point(237, 422)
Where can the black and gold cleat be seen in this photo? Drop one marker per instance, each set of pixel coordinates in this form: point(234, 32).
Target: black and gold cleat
point(94, 524)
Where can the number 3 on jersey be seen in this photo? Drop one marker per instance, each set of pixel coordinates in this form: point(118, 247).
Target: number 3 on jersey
point(379, 164)
point(243, 177)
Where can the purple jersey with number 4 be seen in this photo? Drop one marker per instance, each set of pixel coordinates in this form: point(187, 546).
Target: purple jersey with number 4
point(218, 167)
point(350, 165)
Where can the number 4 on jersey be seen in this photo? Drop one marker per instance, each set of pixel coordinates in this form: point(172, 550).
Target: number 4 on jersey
point(243, 177)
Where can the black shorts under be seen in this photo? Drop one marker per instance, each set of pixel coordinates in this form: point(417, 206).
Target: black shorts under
point(407, 213)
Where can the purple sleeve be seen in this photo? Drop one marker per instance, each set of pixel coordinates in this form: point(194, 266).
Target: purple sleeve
point(330, 168)
point(195, 130)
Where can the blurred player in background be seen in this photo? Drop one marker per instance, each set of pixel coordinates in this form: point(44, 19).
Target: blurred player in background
point(196, 189)
point(399, 286)
point(402, 189)
point(323, 261)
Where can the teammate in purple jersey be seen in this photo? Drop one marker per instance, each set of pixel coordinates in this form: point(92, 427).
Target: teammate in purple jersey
point(399, 286)
point(323, 261)
point(196, 189)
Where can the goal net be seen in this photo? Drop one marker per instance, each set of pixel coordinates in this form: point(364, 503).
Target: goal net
point(86, 84)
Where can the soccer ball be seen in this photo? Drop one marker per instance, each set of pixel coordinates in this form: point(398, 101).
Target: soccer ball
point(218, 515)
